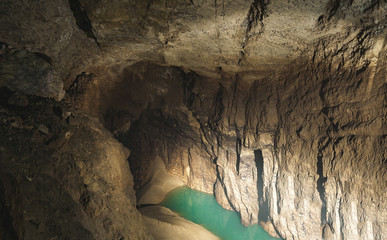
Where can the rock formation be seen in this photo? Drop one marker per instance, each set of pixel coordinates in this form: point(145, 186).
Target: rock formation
point(63, 176)
point(277, 107)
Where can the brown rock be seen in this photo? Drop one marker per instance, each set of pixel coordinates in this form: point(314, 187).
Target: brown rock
point(18, 100)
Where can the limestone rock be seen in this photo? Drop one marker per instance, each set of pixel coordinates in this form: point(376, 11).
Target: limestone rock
point(281, 151)
point(31, 74)
point(46, 29)
point(72, 182)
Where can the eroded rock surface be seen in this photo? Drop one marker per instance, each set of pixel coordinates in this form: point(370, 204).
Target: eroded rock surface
point(303, 148)
point(63, 176)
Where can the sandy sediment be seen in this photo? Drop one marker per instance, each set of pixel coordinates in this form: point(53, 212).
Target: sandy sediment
point(158, 185)
point(161, 222)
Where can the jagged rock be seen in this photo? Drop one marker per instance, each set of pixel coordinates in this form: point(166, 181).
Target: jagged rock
point(48, 30)
point(271, 145)
point(31, 74)
point(72, 182)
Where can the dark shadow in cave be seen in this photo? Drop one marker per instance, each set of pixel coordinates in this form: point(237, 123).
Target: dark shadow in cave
point(7, 231)
point(82, 20)
point(263, 214)
point(320, 187)
point(238, 153)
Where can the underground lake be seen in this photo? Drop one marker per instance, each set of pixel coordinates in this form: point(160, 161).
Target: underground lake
point(202, 208)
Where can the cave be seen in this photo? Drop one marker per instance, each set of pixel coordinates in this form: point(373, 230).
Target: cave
point(275, 108)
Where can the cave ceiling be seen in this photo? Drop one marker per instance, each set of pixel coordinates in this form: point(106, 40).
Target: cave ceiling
point(200, 35)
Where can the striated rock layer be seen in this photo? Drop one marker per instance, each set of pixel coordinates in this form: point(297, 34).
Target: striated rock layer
point(303, 149)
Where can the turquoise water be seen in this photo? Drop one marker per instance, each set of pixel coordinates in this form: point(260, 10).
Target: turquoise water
point(202, 208)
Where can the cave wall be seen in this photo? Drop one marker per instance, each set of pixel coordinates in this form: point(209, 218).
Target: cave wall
point(302, 149)
point(63, 176)
point(314, 132)
point(42, 47)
